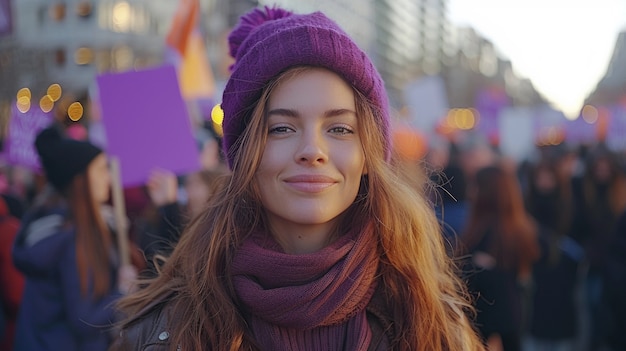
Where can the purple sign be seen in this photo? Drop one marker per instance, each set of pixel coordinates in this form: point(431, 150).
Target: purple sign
point(580, 132)
point(146, 123)
point(489, 103)
point(23, 128)
point(6, 22)
point(616, 131)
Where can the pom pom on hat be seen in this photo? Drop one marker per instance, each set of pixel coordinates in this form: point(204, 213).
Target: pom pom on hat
point(251, 21)
point(268, 41)
point(63, 158)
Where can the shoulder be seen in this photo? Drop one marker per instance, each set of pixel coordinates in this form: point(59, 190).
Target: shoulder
point(149, 332)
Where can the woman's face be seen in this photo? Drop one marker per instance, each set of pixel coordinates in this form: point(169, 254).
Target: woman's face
point(313, 160)
point(99, 178)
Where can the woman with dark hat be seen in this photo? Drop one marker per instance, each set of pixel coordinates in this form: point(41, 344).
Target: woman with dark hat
point(67, 252)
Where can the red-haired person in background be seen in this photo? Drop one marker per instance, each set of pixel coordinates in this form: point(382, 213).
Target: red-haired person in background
point(11, 280)
point(501, 243)
point(68, 253)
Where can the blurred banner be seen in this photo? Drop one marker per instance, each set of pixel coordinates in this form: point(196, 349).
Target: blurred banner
point(23, 128)
point(427, 102)
point(578, 131)
point(616, 131)
point(489, 103)
point(516, 132)
point(186, 50)
point(6, 22)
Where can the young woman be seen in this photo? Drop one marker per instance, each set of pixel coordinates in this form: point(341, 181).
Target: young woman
point(68, 254)
point(501, 240)
point(314, 241)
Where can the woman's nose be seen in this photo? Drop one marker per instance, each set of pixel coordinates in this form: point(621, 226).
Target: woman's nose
point(312, 149)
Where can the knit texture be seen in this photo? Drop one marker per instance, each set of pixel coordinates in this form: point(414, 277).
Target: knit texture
point(269, 41)
point(63, 158)
point(314, 301)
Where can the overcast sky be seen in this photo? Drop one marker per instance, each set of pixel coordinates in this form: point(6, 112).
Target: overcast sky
point(563, 46)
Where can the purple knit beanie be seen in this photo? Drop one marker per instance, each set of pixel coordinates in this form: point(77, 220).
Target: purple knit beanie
point(268, 41)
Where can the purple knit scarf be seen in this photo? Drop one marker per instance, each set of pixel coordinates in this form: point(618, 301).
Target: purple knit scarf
point(315, 301)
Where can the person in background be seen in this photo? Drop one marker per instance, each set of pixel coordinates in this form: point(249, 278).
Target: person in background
point(68, 254)
point(313, 241)
point(600, 198)
point(164, 193)
point(616, 286)
point(500, 240)
point(556, 277)
point(11, 280)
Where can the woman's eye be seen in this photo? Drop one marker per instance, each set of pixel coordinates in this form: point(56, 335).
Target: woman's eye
point(280, 130)
point(341, 130)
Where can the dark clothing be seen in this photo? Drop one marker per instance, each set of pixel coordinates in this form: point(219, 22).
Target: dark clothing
point(498, 297)
point(615, 287)
point(15, 205)
point(554, 314)
point(453, 217)
point(151, 330)
point(161, 238)
point(54, 315)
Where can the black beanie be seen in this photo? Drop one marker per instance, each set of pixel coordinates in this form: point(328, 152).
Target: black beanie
point(63, 158)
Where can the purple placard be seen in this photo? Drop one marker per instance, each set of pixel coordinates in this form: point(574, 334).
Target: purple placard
point(146, 123)
point(19, 146)
point(616, 131)
point(489, 103)
point(6, 21)
point(580, 132)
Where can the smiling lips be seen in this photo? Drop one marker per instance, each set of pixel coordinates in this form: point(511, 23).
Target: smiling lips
point(310, 183)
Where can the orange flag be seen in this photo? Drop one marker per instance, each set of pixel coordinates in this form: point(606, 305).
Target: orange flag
point(187, 46)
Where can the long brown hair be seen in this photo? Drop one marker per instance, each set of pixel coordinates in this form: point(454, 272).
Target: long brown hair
point(93, 238)
point(418, 279)
point(497, 207)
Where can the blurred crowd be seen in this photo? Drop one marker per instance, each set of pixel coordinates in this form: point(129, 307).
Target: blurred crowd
point(541, 242)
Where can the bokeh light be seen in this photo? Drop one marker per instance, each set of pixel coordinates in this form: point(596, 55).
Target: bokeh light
point(75, 111)
point(83, 56)
point(590, 114)
point(24, 92)
point(461, 118)
point(121, 17)
point(23, 104)
point(46, 103)
point(217, 116)
point(54, 91)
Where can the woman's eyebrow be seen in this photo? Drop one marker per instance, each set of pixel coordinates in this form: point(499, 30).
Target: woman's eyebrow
point(293, 113)
point(283, 112)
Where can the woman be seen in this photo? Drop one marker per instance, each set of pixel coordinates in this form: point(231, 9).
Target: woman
point(67, 253)
point(501, 241)
point(554, 317)
point(313, 242)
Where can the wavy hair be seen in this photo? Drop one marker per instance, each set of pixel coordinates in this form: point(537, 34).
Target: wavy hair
point(419, 281)
point(498, 206)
